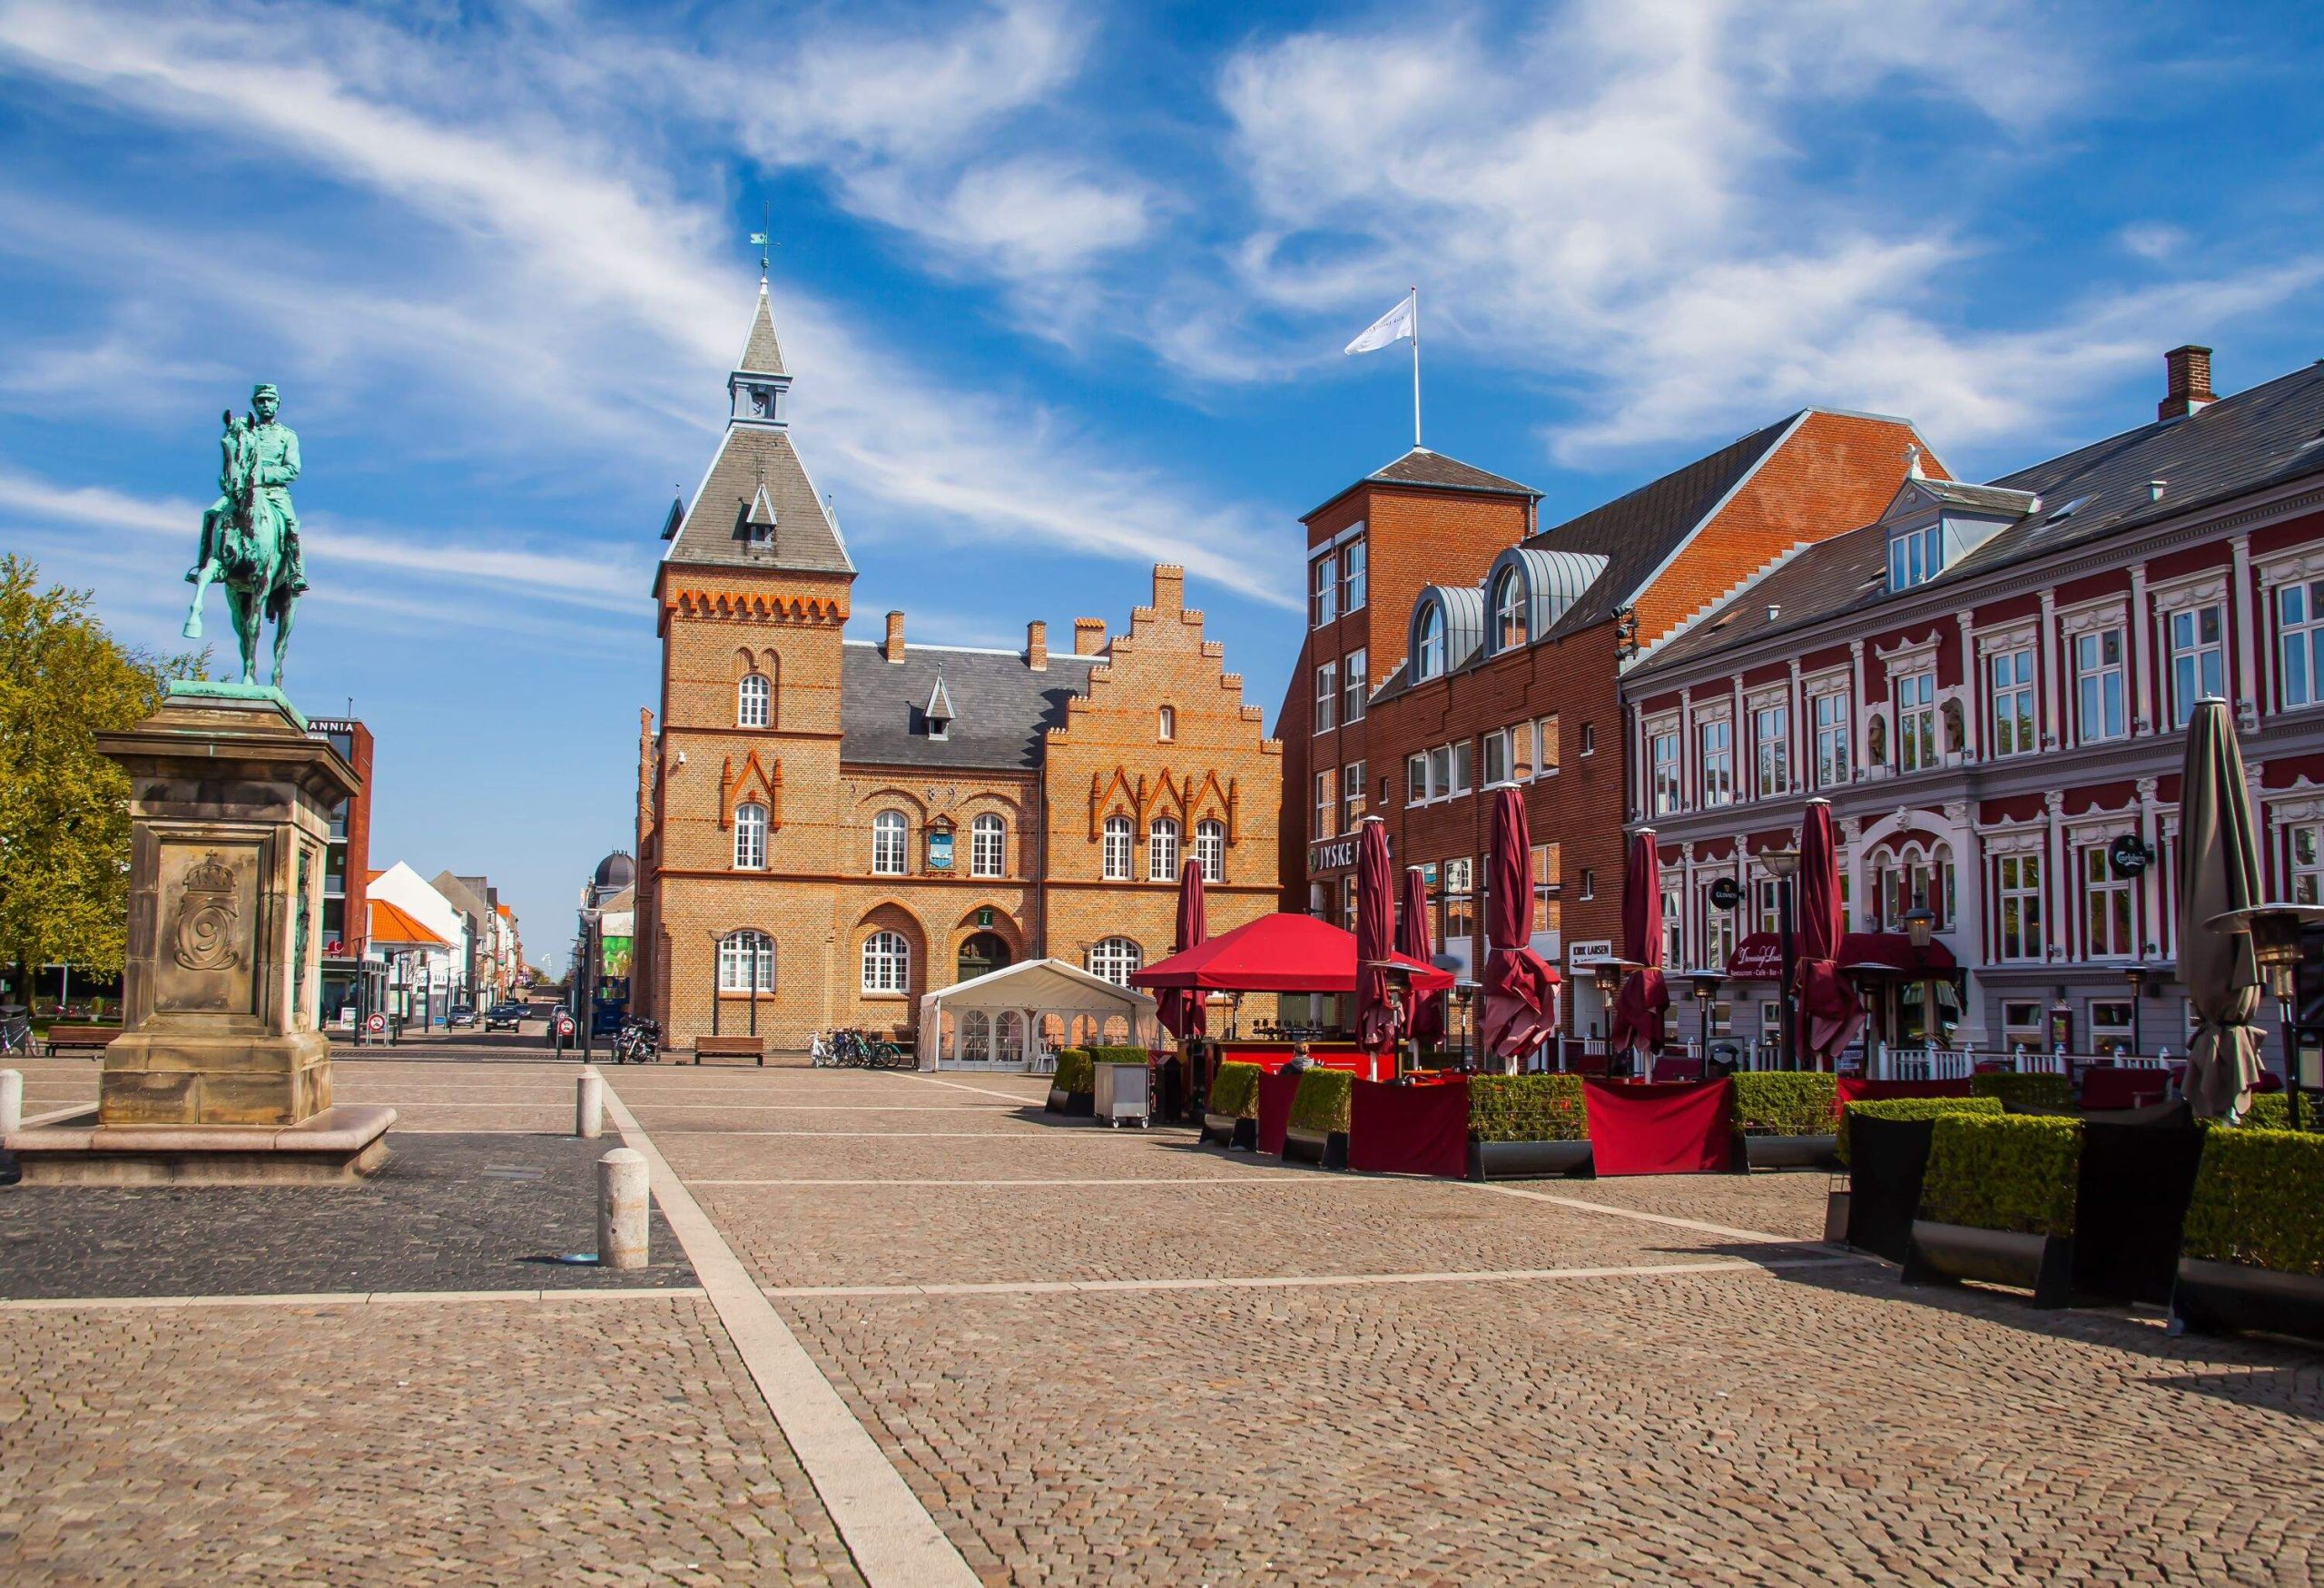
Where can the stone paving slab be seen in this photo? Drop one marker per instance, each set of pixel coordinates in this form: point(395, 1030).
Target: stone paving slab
point(447, 1213)
point(667, 1123)
point(1817, 1426)
point(1780, 1201)
point(979, 1156)
point(566, 1441)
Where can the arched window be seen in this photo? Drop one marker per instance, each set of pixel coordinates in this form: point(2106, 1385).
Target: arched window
point(1429, 654)
point(751, 700)
point(887, 848)
point(988, 847)
point(887, 963)
point(1162, 851)
point(976, 1037)
point(1118, 848)
point(1508, 619)
point(750, 837)
point(1114, 958)
point(1210, 849)
point(746, 963)
point(1166, 724)
point(1009, 1036)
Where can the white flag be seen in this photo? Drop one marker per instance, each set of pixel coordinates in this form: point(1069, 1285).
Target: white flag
point(1390, 327)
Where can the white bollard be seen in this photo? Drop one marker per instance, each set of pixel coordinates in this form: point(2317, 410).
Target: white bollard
point(620, 1209)
point(589, 1105)
point(12, 1100)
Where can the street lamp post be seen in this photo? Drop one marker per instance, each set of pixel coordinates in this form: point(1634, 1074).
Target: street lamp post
point(1706, 982)
point(1783, 865)
point(1607, 976)
point(1920, 928)
point(2136, 975)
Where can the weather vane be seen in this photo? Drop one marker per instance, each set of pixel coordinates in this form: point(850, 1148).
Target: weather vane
point(765, 240)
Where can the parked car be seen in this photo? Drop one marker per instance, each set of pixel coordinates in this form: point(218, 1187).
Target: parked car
point(508, 1014)
point(460, 1014)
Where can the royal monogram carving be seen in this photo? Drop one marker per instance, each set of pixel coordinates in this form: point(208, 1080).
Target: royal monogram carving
point(205, 937)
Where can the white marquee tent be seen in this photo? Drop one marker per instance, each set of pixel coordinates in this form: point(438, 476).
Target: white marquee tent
point(1016, 1017)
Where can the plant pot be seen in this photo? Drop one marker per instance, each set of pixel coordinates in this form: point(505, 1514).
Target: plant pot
point(1943, 1254)
point(1520, 1161)
point(1056, 1105)
point(2214, 1298)
point(1080, 1104)
point(1790, 1151)
point(1328, 1149)
point(1835, 1217)
point(1228, 1130)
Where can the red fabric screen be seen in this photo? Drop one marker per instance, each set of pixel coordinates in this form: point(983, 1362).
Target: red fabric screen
point(2122, 1086)
point(1660, 1128)
point(1854, 1090)
point(1275, 1093)
point(1409, 1130)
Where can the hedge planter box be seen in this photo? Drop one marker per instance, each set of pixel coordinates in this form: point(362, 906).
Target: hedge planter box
point(1081, 1103)
point(1327, 1147)
point(1227, 1130)
point(1521, 1160)
point(1790, 1151)
point(2212, 1298)
point(1948, 1253)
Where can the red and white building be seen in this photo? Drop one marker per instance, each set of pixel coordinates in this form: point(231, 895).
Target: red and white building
point(1990, 682)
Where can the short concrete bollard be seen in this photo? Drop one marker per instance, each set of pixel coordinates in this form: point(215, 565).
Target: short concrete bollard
point(12, 1100)
point(589, 1105)
point(620, 1209)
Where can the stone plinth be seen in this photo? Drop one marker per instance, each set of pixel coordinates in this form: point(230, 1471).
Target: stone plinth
point(230, 828)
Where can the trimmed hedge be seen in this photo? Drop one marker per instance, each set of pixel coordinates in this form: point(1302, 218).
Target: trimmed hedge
point(1132, 1055)
point(2271, 1110)
point(1912, 1108)
point(2017, 1172)
point(1075, 1070)
point(1234, 1091)
point(1526, 1108)
point(2024, 1093)
point(2256, 1199)
point(1320, 1103)
point(1782, 1102)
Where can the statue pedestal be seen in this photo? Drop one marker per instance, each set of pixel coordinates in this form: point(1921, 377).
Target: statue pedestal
point(221, 1072)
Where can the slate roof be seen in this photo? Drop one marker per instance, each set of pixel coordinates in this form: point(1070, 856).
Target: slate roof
point(999, 704)
point(1434, 470)
point(2270, 435)
point(715, 528)
point(761, 353)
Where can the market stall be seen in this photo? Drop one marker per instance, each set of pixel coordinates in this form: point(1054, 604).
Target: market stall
point(994, 1022)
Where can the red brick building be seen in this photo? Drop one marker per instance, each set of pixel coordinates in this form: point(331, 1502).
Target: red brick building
point(1475, 647)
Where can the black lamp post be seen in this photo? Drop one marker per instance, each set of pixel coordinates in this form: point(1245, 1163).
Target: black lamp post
point(1706, 982)
point(2136, 975)
point(1606, 975)
point(1783, 865)
point(1920, 929)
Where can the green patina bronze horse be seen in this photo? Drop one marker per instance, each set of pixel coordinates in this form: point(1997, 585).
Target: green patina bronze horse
point(249, 535)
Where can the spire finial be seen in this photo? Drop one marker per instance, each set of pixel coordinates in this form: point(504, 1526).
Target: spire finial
point(1912, 461)
point(765, 240)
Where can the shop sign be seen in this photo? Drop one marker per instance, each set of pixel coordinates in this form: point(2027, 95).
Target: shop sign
point(1726, 894)
point(1331, 855)
point(1595, 953)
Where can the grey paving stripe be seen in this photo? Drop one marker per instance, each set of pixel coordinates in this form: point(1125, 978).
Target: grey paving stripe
point(833, 1108)
point(341, 1299)
point(896, 1544)
point(1581, 1205)
point(1268, 1181)
point(1307, 1281)
point(1014, 1097)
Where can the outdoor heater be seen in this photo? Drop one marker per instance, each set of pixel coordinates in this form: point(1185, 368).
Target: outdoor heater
point(1920, 930)
point(1706, 982)
point(2275, 929)
point(2136, 977)
point(1783, 865)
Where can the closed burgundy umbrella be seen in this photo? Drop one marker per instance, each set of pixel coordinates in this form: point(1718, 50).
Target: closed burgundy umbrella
point(1830, 1013)
point(1181, 1010)
point(1638, 1008)
point(1414, 941)
point(1521, 990)
point(1378, 1022)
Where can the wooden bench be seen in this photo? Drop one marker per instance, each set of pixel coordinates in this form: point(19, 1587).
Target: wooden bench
point(88, 1038)
point(730, 1048)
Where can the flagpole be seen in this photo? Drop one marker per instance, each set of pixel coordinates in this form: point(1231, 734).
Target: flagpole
point(1415, 368)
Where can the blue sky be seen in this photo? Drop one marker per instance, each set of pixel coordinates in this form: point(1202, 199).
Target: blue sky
point(1064, 288)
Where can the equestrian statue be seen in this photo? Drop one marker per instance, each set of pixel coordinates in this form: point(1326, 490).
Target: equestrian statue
point(249, 535)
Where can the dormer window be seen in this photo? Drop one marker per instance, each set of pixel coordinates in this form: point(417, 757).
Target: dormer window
point(1428, 656)
point(938, 711)
point(1916, 556)
point(1509, 616)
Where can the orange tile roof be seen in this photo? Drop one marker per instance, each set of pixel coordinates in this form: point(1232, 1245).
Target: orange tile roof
point(393, 928)
point(503, 910)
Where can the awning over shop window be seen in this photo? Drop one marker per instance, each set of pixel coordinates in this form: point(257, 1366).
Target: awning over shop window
point(1760, 957)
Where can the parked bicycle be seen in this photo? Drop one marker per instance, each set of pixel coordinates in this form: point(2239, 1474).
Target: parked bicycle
point(849, 1048)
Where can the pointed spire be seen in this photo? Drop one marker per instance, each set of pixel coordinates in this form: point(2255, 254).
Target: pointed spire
point(761, 353)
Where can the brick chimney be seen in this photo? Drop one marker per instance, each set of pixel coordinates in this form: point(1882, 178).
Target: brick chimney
point(1037, 646)
point(1169, 587)
point(894, 649)
point(1089, 635)
point(2190, 370)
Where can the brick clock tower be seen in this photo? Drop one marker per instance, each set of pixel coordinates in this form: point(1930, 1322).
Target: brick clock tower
point(828, 828)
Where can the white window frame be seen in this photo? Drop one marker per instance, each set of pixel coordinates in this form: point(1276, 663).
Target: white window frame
point(891, 844)
point(1114, 959)
point(1323, 591)
point(1914, 695)
point(1328, 697)
point(1662, 752)
point(2017, 879)
point(1354, 684)
point(1833, 711)
point(1916, 556)
point(1497, 750)
point(1162, 850)
point(1119, 842)
point(1352, 795)
point(753, 707)
point(1771, 748)
point(2014, 720)
point(2100, 687)
point(735, 951)
point(988, 847)
point(2196, 666)
point(887, 963)
point(750, 837)
point(2102, 889)
point(1355, 576)
point(1428, 654)
point(1210, 849)
point(1416, 778)
point(1714, 761)
point(2304, 862)
point(1510, 615)
point(1166, 723)
point(1326, 806)
point(2299, 643)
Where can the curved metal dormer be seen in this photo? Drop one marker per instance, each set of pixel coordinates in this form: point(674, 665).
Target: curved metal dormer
point(1528, 588)
point(1448, 624)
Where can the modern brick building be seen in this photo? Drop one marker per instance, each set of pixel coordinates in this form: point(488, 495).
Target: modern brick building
point(828, 828)
point(1989, 682)
point(1475, 647)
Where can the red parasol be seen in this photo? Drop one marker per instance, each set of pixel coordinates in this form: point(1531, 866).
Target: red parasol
point(1181, 1010)
point(1830, 1013)
point(1521, 990)
point(1415, 942)
point(1638, 1008)
point(1379, 1020)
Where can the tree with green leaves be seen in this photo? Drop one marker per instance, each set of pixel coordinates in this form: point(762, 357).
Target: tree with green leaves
point(63, 807)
